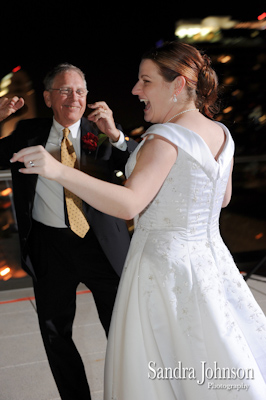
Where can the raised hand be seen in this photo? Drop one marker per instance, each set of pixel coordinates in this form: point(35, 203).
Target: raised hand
point(10, 106)
point(103, 118)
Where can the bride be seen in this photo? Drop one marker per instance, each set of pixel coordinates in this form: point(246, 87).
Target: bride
point(185, 325)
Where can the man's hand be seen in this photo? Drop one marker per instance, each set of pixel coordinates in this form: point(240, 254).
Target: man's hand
point(103, 118)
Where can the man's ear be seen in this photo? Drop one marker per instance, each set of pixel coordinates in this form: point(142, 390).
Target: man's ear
point(47, 98)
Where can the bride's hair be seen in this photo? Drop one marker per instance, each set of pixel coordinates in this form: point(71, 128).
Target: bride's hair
point(180, 59)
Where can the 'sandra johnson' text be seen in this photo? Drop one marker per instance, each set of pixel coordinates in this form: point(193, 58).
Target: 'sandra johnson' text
point(215, 372)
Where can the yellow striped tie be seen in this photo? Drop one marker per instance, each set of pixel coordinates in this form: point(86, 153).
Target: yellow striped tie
point(78, 222)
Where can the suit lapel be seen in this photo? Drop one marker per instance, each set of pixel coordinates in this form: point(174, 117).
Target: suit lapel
point(41, 137)
point(85, 127)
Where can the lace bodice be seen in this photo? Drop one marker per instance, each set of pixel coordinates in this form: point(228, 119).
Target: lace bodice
point(190, 199)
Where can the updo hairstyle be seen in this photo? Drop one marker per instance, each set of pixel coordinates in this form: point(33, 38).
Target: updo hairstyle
point(179, 59)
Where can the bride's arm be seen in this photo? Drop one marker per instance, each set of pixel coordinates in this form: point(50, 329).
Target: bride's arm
point(155, 161)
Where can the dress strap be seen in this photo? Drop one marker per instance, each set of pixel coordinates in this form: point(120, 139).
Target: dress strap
point(195, 146)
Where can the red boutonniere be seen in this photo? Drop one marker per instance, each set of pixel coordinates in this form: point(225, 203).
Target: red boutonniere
point(91, 142)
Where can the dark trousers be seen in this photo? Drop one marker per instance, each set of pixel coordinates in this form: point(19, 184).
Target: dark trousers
point(61, 261)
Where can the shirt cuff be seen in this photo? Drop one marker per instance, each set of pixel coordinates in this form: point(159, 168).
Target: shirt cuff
point(121, 144)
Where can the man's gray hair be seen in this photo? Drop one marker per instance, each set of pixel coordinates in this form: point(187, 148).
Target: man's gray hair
point(64, 67)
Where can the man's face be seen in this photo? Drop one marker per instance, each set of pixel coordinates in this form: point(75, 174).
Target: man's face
point(67, 109)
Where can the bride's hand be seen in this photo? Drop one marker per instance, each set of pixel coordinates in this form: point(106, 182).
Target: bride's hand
point(38, 161)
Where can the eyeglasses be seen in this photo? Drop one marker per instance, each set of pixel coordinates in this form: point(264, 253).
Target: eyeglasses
point(68, 92)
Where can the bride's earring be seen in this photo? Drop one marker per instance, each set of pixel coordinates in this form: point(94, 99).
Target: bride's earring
point(175, 98)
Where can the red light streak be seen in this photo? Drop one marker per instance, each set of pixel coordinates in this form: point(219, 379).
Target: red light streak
point(16, 69)
point(262, 16)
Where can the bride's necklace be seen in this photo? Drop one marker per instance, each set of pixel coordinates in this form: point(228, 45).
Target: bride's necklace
point(182, 112)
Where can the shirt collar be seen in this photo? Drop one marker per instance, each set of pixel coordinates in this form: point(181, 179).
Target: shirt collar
point(74, 129)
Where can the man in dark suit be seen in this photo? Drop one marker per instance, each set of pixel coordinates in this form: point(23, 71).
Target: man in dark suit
point(57, 258)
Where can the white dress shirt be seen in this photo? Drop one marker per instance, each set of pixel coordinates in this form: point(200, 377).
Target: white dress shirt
point(48, 207)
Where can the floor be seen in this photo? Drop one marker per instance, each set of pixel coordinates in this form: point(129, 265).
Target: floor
point(24, 371)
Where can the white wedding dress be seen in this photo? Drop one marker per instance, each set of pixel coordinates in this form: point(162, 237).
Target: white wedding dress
point(182, 305)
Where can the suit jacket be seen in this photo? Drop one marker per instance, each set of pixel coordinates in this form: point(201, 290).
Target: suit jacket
point(111, 232)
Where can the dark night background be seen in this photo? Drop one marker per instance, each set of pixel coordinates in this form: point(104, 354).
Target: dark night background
point(104, 39)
